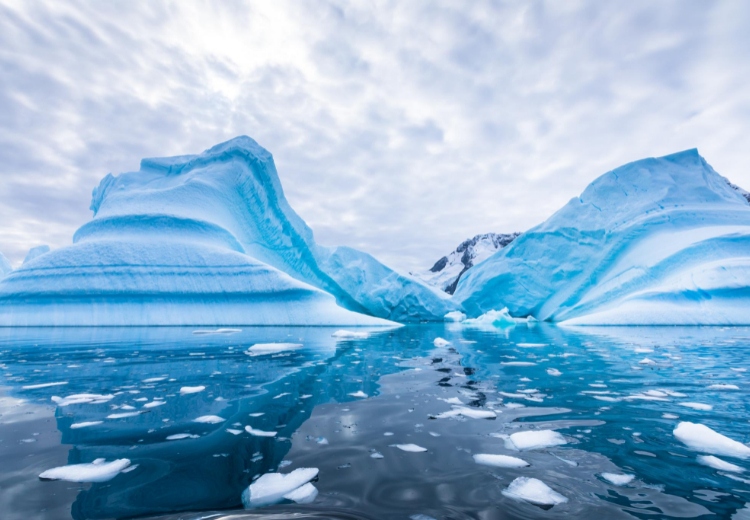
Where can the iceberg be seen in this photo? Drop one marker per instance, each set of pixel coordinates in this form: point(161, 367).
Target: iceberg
point(35, 252)
point(5, 266)
point(207, 239)
point(660, 241)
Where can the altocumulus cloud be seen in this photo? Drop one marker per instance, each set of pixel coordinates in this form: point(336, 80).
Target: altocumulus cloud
point(399, 128)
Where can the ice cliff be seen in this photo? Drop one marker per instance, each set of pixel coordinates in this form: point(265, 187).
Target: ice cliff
point(206, 239)
point(447, 271)
point(657, 241)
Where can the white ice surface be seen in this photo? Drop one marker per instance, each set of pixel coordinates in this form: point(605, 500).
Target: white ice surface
point(260, 349)
point(533, 491)
point(97, 471)
point(499, 461)
point(618, 479)
point(412, 448)
point(272, 487)
point(700, 437)
point(535, 439)
point(717, 463)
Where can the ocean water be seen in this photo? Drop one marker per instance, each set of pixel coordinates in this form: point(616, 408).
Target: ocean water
point(343, 405)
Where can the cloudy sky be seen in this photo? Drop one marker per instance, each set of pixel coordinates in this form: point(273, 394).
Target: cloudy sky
point(399, 128)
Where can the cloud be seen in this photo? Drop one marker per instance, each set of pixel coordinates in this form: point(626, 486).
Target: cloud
point(399, 128)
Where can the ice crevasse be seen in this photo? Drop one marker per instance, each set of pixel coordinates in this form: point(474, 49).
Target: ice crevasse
point(657, 241)
point(207, 239)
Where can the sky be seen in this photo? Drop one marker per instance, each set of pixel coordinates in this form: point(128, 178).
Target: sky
point(398, 128)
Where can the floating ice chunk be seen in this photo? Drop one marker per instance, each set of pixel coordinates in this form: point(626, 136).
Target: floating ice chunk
point(180, 436)
point(455, 316)
point(499, 461)
point(123, 415)
point(607, 398)
point(698, 406)
point(97, 471)
point(43, 385)
point(154, 379)
point(216, 331)
point(647, 361)
point(358, 393)
point(702, 438)
point(470, 413)
point(260, 349)
point(738, 369)
point(209, 419)
point(376, 455)
point(256, 414)
point(259, 433)
point(533, 491)
point(517, 363)
point(85, 424)
point(233, 431)
point(618, 479)
point(500, 319)
point(412, 448)
point(655, 393)
point(723, 387)
point(322, 440)
point(535, 439)
point(669, 416)
point(597, 385)
point(272, 487)
point(349, 334)
point(81, 399)
point(643, 350)
point(717, 463)
point(531, 345)
point(191, 389)
point(440, 342)
point(554, 372)
point(451, 400)
point(645, 397)
point(303, 495)
point(515, 405)
point(154, 404)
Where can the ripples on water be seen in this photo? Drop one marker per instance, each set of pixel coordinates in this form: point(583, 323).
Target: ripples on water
point(615, 395)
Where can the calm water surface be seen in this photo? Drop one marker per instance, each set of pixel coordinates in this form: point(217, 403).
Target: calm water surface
point(616, 394)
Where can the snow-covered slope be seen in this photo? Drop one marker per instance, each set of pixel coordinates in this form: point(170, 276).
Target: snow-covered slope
point(658, 241)
point(206, 239)
point(447, 271)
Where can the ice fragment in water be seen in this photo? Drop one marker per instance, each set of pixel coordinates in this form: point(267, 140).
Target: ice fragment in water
point(259, 433)
point(723, 387)
point(43, 385)
point(698, 406)
point(471, 413)
point(272, 487)
point(717, 463)
point(349, 334)
point(180, 436)
point(260, 349)
point(534, 491)
point(535, 439)
point(499, 461)
point(303, 494)
point(618, 479)
point(97, 471)
point(209, 419)
point(84, 424)
point(455, 316)
point(554, 372)
point(359, 394)
point(412, 448)
point(440, 342)
point(699, 437)
point(81, 399)
point(191, 389)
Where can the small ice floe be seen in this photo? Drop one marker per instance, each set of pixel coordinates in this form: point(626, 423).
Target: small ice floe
point(259, 433)
point(282, 395)
point(216, 331)
point(643, 350)
point(469, 413)
point(185, 390)
point(454, 316)
point(154, 379)
point(359, 394)
point(322, 441)
point(154, 404)
point(411, 448)
point(256, 414)
point(554, 372)
point(98, 471)
point(209, 419)
point(723, 387)
point(618, 479)
point(305, 396)
point(607, 398)
point(531, 345)
point(275, 487)
point(700, 437)
point(493, 318)
point(534, 491)
point(597, 385)
point(451, 400)
point(717, 463)
point(669, 416)
point(738, 369)
point(535, 439)
point(261, 349)
point(85, 424)
point(123, 415)
point(440, 342)
point(303, 495)
point(514, 405)
point(81, 399)
point(233, 431)
point(376, 455)
point(698, 406)
point(518, 363)
point(644, 396)
point(350, 334)
point(43, 385)
point(647, 361)
point(180, 436)
point(499, 461)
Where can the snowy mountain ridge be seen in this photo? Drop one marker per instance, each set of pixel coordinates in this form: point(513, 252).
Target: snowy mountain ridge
point(447, 271)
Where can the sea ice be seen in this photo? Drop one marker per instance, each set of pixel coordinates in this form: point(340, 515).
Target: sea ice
point(554, 372)
point(717, 463)
point(260, 349)
point(97, 471)
point(535, 439)
point(209, 419)
point(305, 494)
point(440, 342)
point(81, 399)
point(698, 406)
point(412, 448)
point(272, 487)
point(259, 433)
point(455, 316)
point(618, 479)
point(359, 394)
point(723, 387)
point(499, 461)
point(470, 413)
point(180, 436)
point(699, 437)
point(84, 424)
point(123, 415)
point(349, 334)
point(43, 385)
point(185, 390)
point(492, 318)
point(534, 491)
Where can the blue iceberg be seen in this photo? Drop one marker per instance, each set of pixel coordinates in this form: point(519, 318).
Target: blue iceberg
point(206, 239)
point(657, 241)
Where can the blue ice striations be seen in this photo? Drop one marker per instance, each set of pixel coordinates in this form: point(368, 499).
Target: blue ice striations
point(206, 239)
point(657, 241)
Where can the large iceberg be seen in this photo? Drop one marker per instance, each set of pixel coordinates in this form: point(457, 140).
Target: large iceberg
point(657, 241)
point(5, 266)
point(206, 239)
